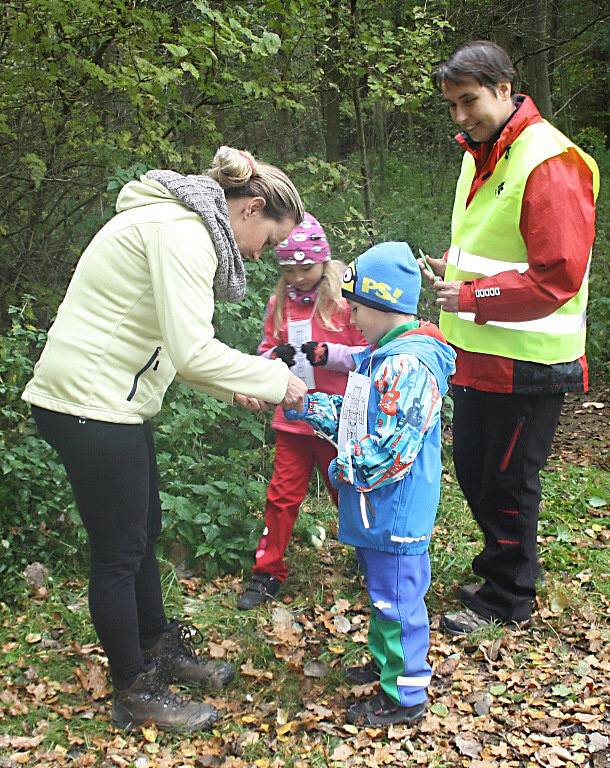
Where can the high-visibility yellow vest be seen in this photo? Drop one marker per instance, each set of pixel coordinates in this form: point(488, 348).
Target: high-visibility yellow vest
point(486, 239)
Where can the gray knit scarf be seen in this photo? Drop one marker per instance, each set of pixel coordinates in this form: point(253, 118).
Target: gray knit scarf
point(205, 196)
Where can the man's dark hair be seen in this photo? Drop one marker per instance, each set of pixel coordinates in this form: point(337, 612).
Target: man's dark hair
point(486, 62)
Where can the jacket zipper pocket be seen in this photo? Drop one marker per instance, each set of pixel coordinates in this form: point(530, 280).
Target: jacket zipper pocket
point(149, 362)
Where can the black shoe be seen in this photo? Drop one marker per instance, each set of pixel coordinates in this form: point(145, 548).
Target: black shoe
point(149, 700)
point(466, 592)
point(176, 647)
point(363, 674)
point(261, 588)
point(468, 621)
point(467, 596)
point(382, 710)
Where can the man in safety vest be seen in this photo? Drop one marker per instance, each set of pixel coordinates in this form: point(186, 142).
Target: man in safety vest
point(513, 299)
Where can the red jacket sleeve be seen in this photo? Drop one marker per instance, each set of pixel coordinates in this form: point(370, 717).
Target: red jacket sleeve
point(558, 226)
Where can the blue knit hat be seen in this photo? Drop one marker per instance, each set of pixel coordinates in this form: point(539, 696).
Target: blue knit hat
point(386, 277)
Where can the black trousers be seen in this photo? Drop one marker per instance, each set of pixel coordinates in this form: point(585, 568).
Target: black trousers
point(113, 472)
point(500, 444)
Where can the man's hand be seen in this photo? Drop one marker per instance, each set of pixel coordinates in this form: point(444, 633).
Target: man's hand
point(448, 294)
point(251, 403)
point(285, 353)
point(295, 393)
point(434, 268)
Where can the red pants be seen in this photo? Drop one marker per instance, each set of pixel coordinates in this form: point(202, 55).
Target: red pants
point(295, 457)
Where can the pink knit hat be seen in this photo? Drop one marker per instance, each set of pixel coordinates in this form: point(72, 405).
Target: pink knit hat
point(306, 244)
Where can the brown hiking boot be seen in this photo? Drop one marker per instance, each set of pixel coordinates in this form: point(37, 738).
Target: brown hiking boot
point(148, 700)
point(175, 645)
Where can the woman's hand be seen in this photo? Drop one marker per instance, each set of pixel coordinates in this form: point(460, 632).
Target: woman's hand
point(295, 392)
point(434, 268)
point(251, 403)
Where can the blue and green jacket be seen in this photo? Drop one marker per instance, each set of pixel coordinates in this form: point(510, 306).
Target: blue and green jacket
point(389, 496)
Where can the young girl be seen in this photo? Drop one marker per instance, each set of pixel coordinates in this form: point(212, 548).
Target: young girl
point(307, 325)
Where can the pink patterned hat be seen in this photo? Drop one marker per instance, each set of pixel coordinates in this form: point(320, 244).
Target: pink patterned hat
point(306, 244)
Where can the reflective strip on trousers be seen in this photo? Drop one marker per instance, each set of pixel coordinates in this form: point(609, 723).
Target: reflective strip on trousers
point(413, 682)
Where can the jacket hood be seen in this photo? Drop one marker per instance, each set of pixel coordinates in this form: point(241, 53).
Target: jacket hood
point(143, 192)
point(425, 345)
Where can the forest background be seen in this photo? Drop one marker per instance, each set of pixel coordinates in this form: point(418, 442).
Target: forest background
point(95, 92)
point(337, 92)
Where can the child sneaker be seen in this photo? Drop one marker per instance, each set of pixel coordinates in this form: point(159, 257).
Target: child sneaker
point(382, 710)
point(363, 674)
point(261, 588)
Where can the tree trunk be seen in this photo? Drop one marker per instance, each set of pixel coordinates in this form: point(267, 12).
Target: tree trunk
point(364, 161)
point(537, 63)
point(330, 108)
point(381, 138)
point(331, 95)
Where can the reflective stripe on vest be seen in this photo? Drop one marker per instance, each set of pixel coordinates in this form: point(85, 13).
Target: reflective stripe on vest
point(481, 265)
point(490, 225)
point(556, 323)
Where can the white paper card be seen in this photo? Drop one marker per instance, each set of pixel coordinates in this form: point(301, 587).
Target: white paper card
point(299, 332)
point(353, 421)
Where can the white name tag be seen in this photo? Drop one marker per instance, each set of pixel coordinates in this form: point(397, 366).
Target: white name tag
point(353, 421)
point(299, 332)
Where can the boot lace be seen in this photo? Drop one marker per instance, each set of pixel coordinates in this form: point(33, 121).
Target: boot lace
point(158, 687)
point(184, 641)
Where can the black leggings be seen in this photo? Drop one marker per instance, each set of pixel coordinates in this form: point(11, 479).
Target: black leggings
point(113, 472)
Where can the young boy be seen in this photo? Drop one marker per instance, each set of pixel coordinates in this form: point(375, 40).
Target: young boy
point(388, 468)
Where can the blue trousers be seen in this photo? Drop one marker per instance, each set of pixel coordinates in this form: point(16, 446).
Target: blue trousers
point(399, 631)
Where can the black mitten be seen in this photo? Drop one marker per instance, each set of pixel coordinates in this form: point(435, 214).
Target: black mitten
point(285, 353)
point(316, 352)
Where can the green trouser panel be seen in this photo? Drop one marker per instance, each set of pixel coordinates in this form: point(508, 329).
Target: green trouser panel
point(386, 648)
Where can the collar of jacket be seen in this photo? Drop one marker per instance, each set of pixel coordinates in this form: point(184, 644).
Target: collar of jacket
point(398, 331)
point(490, 152)
point(414, 328)
point(487, 155)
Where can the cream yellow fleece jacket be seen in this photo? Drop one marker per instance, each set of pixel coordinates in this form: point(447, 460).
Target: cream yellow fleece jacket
point(137, 312)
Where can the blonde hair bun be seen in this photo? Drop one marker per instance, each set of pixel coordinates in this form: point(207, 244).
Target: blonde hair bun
point(232, 167)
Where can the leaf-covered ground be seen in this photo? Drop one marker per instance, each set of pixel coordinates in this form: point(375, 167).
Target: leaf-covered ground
point(537, 697)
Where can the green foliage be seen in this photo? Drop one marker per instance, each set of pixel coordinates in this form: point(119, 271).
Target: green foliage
point(212, 459)
point(591, 139)
point(37, 518)
point(598, 310)
point(88, 89)
point(390, 56)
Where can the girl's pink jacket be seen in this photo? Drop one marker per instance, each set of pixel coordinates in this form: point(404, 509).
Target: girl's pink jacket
point(330, 378)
